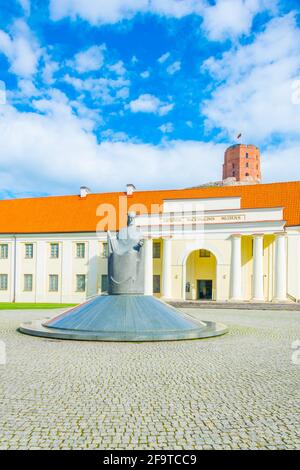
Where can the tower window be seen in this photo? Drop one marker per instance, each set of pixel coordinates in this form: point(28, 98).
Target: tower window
point(246, 174)
point(247, 155)
point(247, 165)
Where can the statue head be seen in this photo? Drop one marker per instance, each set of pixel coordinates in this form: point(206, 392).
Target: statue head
point(130, 218)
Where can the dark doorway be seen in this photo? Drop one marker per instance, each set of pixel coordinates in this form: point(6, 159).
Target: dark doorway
point(204, 289)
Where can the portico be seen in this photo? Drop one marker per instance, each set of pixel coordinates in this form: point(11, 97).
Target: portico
point(222, 255)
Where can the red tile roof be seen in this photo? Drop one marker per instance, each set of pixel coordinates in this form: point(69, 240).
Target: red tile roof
point(56, 214)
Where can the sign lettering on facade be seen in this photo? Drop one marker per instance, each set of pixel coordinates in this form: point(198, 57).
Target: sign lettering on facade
point(195, 219)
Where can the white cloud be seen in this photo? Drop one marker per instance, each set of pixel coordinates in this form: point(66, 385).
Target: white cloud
point(27, 88)
point(255, 84)
point(145, 104)
point(118, 68)
point(145, 74)
point(49, 70)
point(223, 18)
point(51, 143)
point(279, 160)
point(150, 104)
point(105, 90)
point(114, 136)
point(173, 68)
point(103, 11)
point(166, 128)
point(55, 152)
point(89, 60)
point(21, 49)
point(164, 57)
point(233, 17)
point(165, 109)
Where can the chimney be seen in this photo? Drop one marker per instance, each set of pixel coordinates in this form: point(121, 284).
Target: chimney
point(84, 191)
point(130, 188)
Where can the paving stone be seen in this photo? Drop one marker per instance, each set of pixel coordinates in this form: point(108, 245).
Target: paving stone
point(239, 391)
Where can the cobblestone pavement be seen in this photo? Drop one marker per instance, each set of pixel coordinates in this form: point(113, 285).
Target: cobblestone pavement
point(238, 391)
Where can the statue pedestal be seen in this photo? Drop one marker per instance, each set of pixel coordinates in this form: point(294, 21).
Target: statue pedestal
point(124, 318)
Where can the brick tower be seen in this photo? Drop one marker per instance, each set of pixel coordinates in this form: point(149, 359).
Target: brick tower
point(242, 162)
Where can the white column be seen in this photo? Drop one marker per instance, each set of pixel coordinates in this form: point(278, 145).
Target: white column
point(280, 267)
point(183, 288)
point(236, 268)
point(258, 268)
point(92, 274)
point(40, 281)
point(166, 270)
point(148, 243)
point(67, 268)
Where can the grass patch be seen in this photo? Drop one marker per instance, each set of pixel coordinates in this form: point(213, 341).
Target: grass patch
point(31, 306)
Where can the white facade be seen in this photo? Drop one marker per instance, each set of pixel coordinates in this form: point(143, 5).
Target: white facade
point(254, 257)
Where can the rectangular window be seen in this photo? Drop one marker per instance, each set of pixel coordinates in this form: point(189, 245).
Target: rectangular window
point(204, 254)
point(247, 165)
point(80, 282)
point(28, 250)
point(80, 250)
point(4, 251)
point(54, 250)
point(156, 284)
point(105, 250)
point(156, 250)
point(53, 282)
point(3, 281)
point(247, 155)
point(104, 283)
point(28, 282)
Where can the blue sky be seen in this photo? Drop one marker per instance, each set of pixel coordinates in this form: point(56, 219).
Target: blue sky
point(145, 91)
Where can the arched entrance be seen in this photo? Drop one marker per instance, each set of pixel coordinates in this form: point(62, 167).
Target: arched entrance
point(201, 275)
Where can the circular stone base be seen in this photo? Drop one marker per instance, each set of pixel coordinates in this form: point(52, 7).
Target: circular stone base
point(36, 328)
point(123, 318)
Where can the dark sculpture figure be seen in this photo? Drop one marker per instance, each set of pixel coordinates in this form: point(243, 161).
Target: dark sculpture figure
point(126, 266)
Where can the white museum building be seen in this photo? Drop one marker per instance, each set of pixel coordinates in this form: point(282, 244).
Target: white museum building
point(238, 242)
